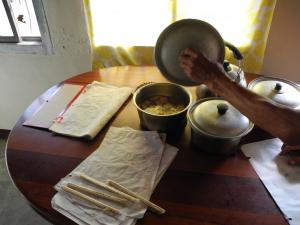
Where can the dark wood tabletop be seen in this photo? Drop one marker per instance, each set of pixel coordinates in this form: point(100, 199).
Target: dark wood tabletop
point(198, 188)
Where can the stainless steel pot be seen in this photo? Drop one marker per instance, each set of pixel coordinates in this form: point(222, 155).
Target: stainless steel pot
point(172, 123)
point(282, 91)
point(217, 127)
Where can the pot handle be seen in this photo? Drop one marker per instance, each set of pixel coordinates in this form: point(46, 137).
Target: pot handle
point(236, 53)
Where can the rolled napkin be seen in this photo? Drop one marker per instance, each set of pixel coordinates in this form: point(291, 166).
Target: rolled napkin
point(135, 159)
point(281, 179)
point(93, 108)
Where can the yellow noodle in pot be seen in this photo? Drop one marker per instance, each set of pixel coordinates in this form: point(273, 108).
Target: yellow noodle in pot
point(161, 105)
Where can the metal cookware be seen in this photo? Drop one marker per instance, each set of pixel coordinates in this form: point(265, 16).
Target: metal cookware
point(171, 123)
point(233, 72)
point(282, 91)
point(189, 33)
point(217, 126)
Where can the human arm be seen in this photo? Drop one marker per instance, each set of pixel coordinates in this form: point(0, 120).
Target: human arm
point(280, 121)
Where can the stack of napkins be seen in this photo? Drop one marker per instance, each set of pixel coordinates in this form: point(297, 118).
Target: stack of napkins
point(93, 108)
point(281, 179)
point(135, 159)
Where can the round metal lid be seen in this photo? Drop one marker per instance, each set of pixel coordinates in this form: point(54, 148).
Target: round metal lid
point(186, 33)
point(218, 118)
point(282, 91)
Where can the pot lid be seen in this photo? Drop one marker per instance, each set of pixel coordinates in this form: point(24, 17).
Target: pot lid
point(282, 91)
point(180, 35)
point(218, 118)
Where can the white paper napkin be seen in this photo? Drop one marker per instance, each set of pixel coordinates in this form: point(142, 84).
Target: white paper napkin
point(135, 159)
point(281, 179)
point(93, 108)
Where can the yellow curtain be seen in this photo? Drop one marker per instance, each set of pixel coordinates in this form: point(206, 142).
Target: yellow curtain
point(259, 16)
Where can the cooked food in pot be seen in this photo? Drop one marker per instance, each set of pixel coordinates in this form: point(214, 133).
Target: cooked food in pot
point(161, 105)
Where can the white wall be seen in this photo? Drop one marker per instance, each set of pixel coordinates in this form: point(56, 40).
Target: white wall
point(23, 77)
point(282, 56)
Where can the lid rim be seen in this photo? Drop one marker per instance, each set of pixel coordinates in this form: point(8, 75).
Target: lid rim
point(137, 92)
point(268, 78)
point(198, 129)
point(249, 128)
point(291, 87)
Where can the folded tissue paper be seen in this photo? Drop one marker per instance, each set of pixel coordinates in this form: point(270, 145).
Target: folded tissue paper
point(91, 110)
point(134, 159)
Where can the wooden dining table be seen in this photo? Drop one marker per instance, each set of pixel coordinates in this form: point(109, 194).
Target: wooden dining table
point(198, 188)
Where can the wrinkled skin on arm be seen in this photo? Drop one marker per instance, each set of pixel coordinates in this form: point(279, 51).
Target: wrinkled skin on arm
point(278, 120)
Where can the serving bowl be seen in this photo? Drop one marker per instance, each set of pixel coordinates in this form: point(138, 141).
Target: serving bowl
point(172, 120)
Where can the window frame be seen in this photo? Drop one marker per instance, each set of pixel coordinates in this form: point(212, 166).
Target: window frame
point(15, 38)
point(29, 45)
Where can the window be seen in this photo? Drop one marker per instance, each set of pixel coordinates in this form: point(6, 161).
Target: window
point(141, 27)
point(142, 21)
point(125, 32)
point(23, 27)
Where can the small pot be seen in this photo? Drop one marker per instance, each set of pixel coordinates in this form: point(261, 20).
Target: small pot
point(171, 123)
point(217, 127)
point(282, 91)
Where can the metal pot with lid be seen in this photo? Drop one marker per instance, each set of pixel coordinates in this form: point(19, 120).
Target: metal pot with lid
point(282, 91)
point(217, 127)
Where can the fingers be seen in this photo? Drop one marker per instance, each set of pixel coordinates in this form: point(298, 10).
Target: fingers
point(187, 61)
point(192, 54)
point(197, 67)
point(285, 149)
point(294, 161)
point(292, 151)
point(187, 57)
point(186, 68)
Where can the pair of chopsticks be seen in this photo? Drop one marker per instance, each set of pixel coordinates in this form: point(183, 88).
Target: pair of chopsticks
point(113, 187)
point(96, 193)
point(151, 205)
point(102, 206)
point(106, 187)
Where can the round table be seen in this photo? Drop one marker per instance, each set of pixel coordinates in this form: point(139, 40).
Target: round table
point(198, 188)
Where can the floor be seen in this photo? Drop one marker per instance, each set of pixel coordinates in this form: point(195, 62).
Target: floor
point(14, 210)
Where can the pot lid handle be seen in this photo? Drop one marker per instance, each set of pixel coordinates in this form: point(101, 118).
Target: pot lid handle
point(222, 108)
point(278, 87)
point(236, 53)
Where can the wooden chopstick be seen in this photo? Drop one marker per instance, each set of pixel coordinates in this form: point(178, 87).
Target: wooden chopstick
point(151, 205)
point(102, 206)
point(96, 193)
point(106, 187)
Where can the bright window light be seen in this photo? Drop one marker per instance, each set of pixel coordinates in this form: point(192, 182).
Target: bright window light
point(231, 17)
point(139, 22)
point(26, 18)
point(23, 27)
point(18, 21)
point(5, 29)
point(129, 23)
